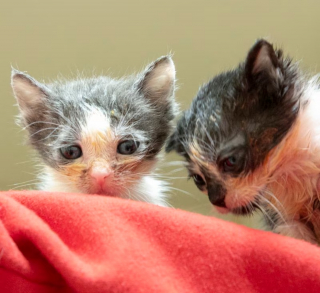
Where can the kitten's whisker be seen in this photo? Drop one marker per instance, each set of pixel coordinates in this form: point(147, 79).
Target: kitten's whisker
point(174, 171)
point(157, 175)
point(187, 139)
point(165, 165)
point(268, 192)
point(48, 136)
point(44, 129)
point(37, 122)
point(206, 132)
point(274, 208)
point(169, 178)
point(23, 183)
point(182, 191)
point(24, 162)
point(264, 212)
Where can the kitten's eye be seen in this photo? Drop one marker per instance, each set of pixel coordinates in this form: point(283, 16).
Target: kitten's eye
point(128, 147)
point(198, 180)
point(71, 152)
point(229, 163)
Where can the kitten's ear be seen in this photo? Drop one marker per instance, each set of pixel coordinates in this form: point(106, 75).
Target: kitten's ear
point(158, 80)
point(30, 94)
point(262, 63)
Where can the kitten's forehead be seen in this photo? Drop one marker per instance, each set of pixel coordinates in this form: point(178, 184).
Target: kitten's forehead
point(97, 123)
point(96, 131)
point(226, 107)
point(99, 90)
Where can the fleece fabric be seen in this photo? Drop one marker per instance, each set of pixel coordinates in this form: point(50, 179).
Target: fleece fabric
point(53, 242)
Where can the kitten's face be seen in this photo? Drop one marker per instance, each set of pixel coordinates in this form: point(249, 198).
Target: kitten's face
point(99, 135)
point(234, 125)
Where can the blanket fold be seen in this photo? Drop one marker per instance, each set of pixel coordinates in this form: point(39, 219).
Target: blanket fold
point(51, 242)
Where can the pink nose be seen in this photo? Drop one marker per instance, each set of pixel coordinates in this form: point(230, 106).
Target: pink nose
point(100, 175)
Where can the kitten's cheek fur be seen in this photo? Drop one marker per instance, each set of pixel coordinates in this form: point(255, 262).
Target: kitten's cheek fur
point(241, 198)
point(237, 199)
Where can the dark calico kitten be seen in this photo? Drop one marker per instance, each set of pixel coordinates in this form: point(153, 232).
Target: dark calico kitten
point(252, 140)
point(100, 135)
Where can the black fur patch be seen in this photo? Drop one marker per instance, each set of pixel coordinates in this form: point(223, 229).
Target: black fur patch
point(259, 100)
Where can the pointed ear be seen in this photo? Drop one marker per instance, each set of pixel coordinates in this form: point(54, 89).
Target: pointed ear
point(30, 94)
point(262, 63)
point(158, 81)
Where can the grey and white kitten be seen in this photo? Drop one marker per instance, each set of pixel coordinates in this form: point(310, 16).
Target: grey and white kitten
point(100, 135)
point(252, 140)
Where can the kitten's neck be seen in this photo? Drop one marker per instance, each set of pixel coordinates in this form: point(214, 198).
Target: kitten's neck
point(147, 189)
point(302, 143)
point(296, 161)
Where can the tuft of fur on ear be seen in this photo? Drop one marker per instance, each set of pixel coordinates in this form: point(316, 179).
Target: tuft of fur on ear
point(158, 81)
point(29, 93)
point(262, 63)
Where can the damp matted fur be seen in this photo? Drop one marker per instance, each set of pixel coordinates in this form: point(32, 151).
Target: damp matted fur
point(252, 140)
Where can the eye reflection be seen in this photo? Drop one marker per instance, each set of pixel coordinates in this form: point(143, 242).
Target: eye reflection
point(127, 147)
point(71, 152)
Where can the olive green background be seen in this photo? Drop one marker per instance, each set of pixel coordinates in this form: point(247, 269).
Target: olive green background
point(52, 38)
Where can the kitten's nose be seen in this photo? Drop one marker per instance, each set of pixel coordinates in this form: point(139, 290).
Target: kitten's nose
point(100, 175)
point(219, 202)
point(217, 195)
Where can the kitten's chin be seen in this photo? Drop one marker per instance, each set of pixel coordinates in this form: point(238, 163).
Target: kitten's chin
point(242, 210)
point(106, 191)
point(222, 210)
point(247, 209)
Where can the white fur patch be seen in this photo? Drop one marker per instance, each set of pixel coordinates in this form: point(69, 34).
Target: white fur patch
point(150, 190)
point(97, 123)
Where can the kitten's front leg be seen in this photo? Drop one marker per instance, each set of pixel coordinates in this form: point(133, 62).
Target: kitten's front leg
point(296, 230)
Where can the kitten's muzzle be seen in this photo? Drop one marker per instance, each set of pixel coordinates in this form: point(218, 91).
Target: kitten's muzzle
point(99, 174)
point(246, 209)
point(217, 194)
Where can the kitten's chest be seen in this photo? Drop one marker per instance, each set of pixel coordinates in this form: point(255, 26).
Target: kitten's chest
point(295, 182)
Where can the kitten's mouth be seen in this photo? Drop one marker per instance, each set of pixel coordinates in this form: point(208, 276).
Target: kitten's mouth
point(105, 192)
point(102, 192)
point(247, 209)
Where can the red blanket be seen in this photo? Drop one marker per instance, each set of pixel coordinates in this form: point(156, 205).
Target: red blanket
point(76, 243)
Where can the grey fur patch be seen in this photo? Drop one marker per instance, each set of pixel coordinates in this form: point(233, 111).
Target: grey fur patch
point(54, 112)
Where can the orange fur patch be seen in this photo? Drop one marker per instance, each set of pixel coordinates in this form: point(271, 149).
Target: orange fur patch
point(98, 141)
point(195, 155)
point(73, 171)
point(290, 171)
